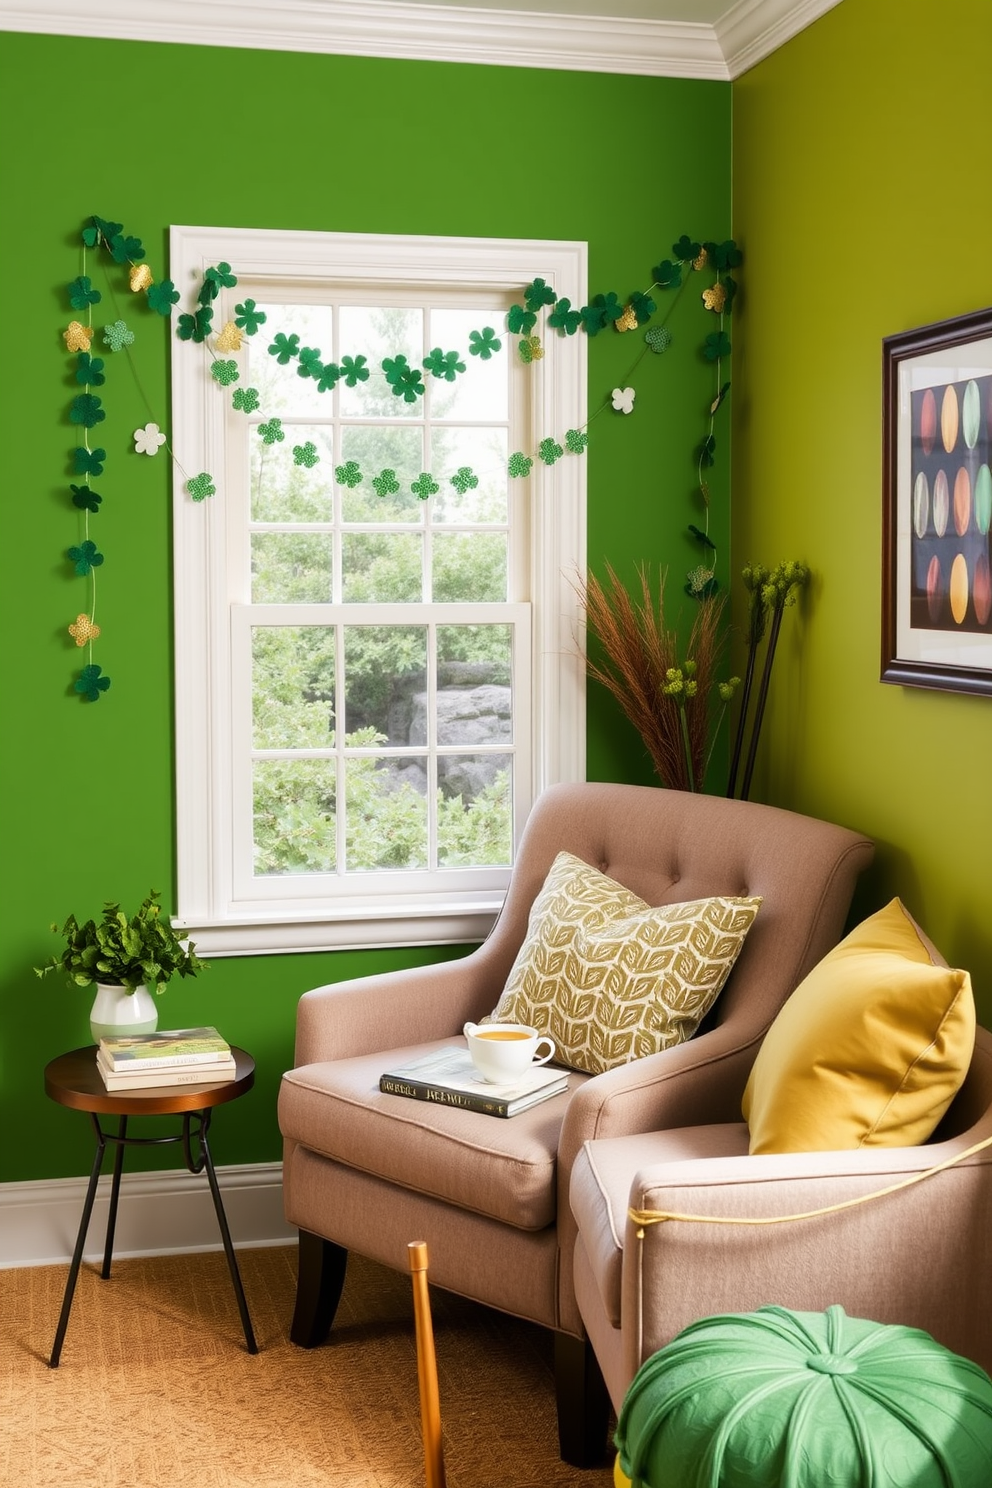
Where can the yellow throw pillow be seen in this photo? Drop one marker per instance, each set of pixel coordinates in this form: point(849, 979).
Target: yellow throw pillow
point(870, 1049)
point(609, 977)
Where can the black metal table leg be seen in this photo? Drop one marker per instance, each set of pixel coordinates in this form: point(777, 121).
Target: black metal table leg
point(115, 1193)
point(77, 1254)
point(195, 1166)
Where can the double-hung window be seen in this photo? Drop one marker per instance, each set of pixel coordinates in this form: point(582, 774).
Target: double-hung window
point(377, 625)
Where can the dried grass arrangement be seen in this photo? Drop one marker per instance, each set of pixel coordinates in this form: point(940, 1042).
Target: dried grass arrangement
point(667, 694)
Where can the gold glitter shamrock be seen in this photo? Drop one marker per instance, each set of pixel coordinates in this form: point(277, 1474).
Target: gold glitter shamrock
point(117, 336)
point(84, 630)
point(628, 320)
point(715, 298)
point(530, 349)
point(230, 338)
point(78, 336)
point(140, 278)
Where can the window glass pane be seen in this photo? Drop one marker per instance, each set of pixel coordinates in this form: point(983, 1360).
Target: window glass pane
point(291, 567)
point(281, 389)
point(482, 453)
point(382, 567)
point(293, 804)
point(293, 479)
point(376, 448)
point(469, 566)
point(475, 814)
point(481, 392)
point(378, 334)
point(474, 695)
point(385, 684)
point(386, 820)
point(292, 686)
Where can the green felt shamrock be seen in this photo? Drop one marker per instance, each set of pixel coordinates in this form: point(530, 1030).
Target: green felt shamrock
point(720, 397)
point(564, 319)
point(406, 382)
point(249, 317)
point(667, 275)
point(124, 249)
point(550, 451)
point(162, 296)
point(90, 683)
point(329, 374)
point(87, 409)
point(519, 464)
point(89, 370)
point(643, 307)
point(85, 558)
point(310, 363)
point(716, 345)
point(214, 280)
point(224, 372)
point(385, 483)
point(201, 486)
point(272, 432)
point(706, 451)
point(686, 250)
point(446, 364)
point(85, 498)
point(530, 349)
point(195, 327)
point(425, 486)
point(348, 475)
point(82, 293)
point(605, 310)
point(659, 338)
point(354, 370)
point(484, 343)
point(730, 290)
point(284, 348)
point(702, 537)
point(98, 229)
point(538, 294)
point(245, 400)
point(306, 454)
point(464, 479)
point(575, 441)
point(520, 321)
point(725, 255)
point(88, 462)
point(117, 336)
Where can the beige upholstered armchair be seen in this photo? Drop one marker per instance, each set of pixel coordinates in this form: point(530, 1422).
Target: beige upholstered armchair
point(917, 1256)
point(371, 1172)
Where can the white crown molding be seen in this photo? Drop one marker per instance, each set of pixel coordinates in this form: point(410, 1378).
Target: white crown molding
point(396, 28)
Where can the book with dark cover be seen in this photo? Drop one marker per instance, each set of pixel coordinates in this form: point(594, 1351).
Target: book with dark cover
point(449, 1078)
point(168, 1047)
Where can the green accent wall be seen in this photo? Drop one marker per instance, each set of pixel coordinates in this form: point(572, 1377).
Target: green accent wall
point(153, 134)
point(861, 202)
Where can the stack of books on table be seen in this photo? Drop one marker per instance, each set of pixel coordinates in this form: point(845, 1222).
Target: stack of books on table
point(173, 1056)
point(449, 1078)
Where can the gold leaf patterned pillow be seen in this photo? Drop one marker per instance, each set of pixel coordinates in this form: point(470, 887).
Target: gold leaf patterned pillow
point(609, 977)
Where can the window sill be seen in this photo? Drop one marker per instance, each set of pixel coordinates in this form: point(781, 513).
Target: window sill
point(358, 929)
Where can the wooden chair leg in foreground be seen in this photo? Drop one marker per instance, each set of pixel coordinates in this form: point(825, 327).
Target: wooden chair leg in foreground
point(430, 1409)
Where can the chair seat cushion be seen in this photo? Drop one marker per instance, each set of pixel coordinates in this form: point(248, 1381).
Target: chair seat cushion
point(504, 1168)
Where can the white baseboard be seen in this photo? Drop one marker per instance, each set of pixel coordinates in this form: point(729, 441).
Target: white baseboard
point(159, 1214)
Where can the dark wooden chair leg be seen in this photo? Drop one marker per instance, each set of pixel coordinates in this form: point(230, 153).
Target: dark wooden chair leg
point(583, 1403)
point(319, 1282)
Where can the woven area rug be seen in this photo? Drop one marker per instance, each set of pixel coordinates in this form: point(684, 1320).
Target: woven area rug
point(155, 1388)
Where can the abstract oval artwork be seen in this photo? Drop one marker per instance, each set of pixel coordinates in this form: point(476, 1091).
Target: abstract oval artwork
point(983, 499)
point(941, 503)
point(935, 592)
point(971, 414)
point(981, 589)
point(962, 501)
point(928, 421)
point(921, 504)
point(958, 589)
point(949, 418)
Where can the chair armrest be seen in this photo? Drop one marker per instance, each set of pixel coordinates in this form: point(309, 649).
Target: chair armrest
point(395, 1009)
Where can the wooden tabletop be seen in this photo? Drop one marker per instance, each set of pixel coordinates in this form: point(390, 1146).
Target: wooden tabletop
point(74, 1080)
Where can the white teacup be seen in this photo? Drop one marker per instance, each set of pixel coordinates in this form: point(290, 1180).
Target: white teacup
point(503, 1051)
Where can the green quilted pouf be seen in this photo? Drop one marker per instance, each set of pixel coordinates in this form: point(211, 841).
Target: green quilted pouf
point(780, 1399)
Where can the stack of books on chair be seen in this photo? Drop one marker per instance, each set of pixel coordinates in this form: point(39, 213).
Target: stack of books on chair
point(174, 1056)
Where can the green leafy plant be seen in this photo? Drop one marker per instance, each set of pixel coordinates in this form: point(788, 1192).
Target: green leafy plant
point(141, 950)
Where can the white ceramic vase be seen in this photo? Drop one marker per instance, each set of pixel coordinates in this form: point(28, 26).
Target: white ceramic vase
point(117, 1011)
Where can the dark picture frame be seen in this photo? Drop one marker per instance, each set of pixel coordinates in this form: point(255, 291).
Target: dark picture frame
point(937, 505)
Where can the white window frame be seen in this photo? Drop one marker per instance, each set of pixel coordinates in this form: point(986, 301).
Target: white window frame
point(221, 920)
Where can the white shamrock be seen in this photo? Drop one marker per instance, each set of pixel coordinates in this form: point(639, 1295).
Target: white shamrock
point(623, 400)
point(147, 441)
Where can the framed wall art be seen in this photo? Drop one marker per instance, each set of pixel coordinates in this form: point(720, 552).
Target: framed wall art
point(937, 506)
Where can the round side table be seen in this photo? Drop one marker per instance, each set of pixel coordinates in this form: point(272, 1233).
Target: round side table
point(74, 1081)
